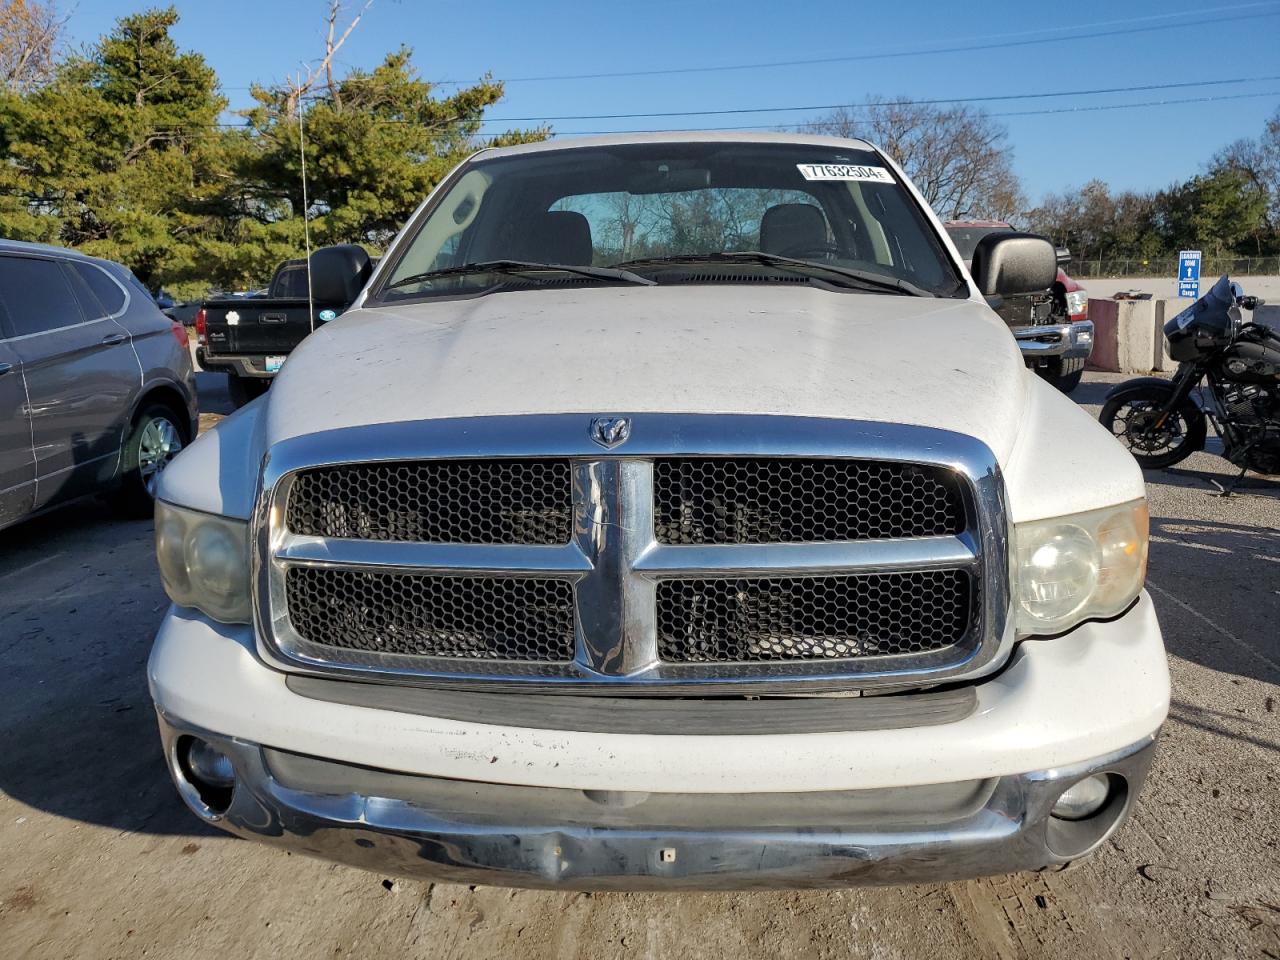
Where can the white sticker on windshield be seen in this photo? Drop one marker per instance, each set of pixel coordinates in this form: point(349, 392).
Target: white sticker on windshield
point(844, 171)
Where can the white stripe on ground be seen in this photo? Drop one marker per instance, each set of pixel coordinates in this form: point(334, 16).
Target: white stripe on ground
point(1243, 645)
point(30, 566)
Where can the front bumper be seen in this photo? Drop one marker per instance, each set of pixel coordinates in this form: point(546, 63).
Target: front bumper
point(1032, 715)
point(500, 803)
point(1069, 341)
point(466, 832)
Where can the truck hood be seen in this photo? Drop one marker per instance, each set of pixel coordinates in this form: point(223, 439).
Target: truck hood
point(786, 350)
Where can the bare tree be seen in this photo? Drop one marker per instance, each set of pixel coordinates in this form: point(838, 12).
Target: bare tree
point(629, 219)
point(958, 157)
point(29, 36)
point(296, 90)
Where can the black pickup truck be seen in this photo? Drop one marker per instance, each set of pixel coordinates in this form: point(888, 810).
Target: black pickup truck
point(248, 338)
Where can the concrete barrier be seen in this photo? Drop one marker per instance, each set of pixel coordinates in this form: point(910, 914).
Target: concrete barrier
point(1166, 310)
point(1106, 342)
point(1126, 337)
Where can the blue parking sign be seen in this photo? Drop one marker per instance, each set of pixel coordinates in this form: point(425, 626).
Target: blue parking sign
point(1189, 274)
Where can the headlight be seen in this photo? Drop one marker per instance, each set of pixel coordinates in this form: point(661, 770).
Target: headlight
point(1077, 303)
point(204, 561)
point(1068, 569)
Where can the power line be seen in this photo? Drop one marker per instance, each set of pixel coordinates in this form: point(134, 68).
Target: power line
point(887, 103)
point(755, 126)
point(983, 42)
point(1130, 106)
point(966, 47)
point(199, 134)
point(933, 101)
point(1016, 113)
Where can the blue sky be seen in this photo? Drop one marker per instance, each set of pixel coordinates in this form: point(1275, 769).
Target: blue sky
point(1141, 148)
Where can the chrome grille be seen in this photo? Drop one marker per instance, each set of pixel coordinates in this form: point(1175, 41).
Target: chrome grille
point(812, 618)
point(456, 501)
point(481, 618)
point(727, 553)
point(796, 500)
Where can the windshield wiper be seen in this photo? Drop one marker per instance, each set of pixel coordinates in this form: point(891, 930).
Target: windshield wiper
point(861, 278)
point(519, 267)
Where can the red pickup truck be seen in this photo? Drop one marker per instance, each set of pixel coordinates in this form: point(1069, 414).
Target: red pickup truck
point(1053, 329)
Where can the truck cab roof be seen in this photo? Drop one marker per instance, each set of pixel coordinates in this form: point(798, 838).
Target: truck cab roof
point(674, 136)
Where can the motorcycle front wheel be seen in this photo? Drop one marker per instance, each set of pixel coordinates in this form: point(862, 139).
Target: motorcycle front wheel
point(1134, 419)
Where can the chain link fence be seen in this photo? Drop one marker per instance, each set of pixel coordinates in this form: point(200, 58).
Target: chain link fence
point(1209, 267)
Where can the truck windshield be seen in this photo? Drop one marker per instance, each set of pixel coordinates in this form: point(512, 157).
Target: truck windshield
point(830, 214)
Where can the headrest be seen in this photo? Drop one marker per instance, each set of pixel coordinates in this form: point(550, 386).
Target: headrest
point(560, 236)
point(790, 228)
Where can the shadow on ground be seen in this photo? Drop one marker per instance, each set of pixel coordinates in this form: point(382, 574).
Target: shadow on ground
point(1091, 392)
point(78, 735)
point(80, 600)
point(1216, 482)
point(1216, 584)
point(214, 397)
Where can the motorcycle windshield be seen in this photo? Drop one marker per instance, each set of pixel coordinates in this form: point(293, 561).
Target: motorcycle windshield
point(1210, 315)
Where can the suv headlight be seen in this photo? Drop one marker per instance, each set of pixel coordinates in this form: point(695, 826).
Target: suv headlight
point(1069, 569)
point(204, 561)
point(1077, 303)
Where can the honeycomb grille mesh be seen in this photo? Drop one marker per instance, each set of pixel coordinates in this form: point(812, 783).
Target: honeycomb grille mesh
point(812, 618)
point(479, 618)
point(703, 500)
point(499, 501)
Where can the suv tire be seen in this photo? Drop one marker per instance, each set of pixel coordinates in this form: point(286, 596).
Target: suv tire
point(155, 437)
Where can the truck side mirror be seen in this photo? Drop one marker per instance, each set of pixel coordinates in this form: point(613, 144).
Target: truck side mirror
point(1007, 264)
point(1064, 256)
point(339, 273)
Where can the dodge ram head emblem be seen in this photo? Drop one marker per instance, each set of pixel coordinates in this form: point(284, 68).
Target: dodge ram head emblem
point(610, 432)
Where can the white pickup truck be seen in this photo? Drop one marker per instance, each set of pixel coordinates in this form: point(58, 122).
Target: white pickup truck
point(668, 512)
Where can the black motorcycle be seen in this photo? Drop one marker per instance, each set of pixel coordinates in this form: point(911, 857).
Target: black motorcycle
point(1163, 421)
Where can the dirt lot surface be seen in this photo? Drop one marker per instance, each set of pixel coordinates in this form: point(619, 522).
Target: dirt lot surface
point(99, 859)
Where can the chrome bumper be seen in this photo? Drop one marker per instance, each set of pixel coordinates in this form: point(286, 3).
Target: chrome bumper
point(458, 831)
point(1073, 341)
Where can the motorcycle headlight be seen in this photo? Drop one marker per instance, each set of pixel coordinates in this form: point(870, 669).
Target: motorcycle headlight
point(1069, 569)
point(204, 561)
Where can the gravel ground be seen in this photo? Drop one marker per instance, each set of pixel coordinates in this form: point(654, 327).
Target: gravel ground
point(99, 859)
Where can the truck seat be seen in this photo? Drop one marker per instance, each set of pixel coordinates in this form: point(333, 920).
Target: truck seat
point(792, 227)
point(560, 236)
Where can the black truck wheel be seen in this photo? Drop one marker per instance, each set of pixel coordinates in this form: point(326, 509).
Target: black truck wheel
point(245, 389)
point(1066, 382)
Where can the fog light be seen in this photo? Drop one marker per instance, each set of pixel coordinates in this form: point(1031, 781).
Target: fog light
point(210, 764)
point(205, 777)
point(1083, 799)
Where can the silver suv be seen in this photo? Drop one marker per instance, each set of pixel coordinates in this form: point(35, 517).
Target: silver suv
point(97, 391)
